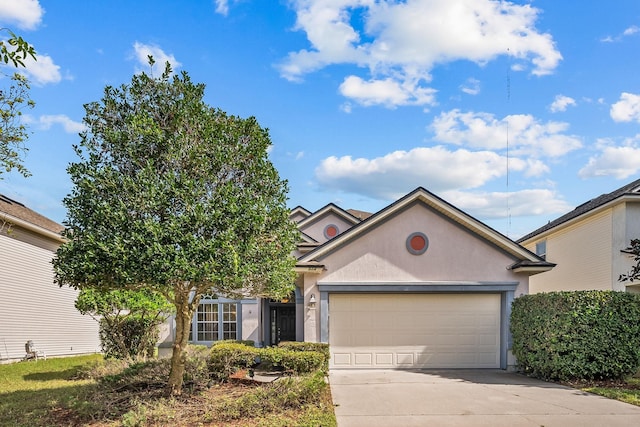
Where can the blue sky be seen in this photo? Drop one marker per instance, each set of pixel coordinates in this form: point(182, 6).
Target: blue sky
point(515, 112)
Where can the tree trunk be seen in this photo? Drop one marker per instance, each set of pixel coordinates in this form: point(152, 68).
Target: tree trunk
point(184, 313)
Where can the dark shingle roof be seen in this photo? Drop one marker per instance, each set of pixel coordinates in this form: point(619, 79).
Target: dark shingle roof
point(631, 188)
point(20, 211)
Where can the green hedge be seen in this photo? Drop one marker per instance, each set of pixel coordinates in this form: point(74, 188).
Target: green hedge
point(319, 347)
point(295, 362)
point(225, 358)
point(577, 335)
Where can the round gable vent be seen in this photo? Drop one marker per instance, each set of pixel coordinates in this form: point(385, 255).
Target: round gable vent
point(417, 243)
point(331, 231)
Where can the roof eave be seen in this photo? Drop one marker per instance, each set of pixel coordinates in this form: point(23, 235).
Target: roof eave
point(309, 267)
point(5, 217)
point(568, 223)
point(531, 270)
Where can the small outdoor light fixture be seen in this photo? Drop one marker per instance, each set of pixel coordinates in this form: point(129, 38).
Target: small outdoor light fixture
point(312, 301)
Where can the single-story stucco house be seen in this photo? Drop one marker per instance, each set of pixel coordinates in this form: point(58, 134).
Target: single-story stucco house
point(32, 306)
point(588, 244)
point(419, 284)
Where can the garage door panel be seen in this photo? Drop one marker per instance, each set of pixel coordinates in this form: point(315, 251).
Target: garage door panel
point(415, 331)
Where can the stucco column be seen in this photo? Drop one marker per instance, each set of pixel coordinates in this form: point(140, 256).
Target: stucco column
point(311, 314)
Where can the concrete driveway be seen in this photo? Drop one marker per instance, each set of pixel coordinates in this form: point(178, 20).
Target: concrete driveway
point(467, 398)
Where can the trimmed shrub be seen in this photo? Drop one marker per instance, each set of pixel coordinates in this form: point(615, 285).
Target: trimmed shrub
point(249, 343)
point(295, 362)
point(227, 358)
point(309, 346)
point(577, 335)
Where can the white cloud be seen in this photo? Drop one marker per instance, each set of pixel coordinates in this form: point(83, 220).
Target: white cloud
point(454, 175)
point(526, 135)
point(620, 162)
point(627, 109)
point(222, 7)
point(142, 52)
point(399, 172)
point(387, 92)
point(626, 33)
point(561, 102)
point(42, 71)
point(26, 14)
point(491, 205)
point(45, 122)
point(471, 86)
point(399, 43)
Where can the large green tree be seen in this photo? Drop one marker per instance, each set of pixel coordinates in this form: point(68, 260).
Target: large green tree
point(173, 195)
point(13, 99)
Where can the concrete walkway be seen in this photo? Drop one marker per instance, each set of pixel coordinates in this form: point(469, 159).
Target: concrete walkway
point(370, 398)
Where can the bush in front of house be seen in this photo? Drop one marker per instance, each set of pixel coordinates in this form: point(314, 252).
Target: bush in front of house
point(577, 335)
point(319, 347)
point(292, 361)
point(130, 337)
point(226, 358)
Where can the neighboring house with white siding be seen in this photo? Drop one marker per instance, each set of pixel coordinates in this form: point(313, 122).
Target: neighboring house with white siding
point(32, 306)
point(587, 244)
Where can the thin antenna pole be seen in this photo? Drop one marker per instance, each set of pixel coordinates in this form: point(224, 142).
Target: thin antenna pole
point(508, 101)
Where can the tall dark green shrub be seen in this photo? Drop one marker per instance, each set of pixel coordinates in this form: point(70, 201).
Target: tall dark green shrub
point(577, 334)
point(129, 338)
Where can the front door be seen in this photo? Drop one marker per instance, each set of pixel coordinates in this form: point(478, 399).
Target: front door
point(283, 323)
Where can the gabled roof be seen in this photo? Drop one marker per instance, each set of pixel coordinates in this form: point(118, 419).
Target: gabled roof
point(16, 213)
point(299, 210)
point(330, 208)
point(361, 215)
point(307, 239)
point(524, 260)
point(631, 190)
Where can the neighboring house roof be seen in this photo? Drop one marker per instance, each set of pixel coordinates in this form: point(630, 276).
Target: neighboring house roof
point(17, 213)
point(330, 208)
point(631, 190)
point(361, 215)
point(524, 260)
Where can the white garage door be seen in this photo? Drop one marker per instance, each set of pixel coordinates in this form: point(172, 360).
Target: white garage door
point(414, 330)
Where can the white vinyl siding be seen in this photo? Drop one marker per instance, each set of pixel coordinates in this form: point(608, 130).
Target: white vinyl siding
point(391, 331)
point(32, 307)
point(582, 253)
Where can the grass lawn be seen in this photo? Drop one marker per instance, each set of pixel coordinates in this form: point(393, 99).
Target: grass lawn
point(626, 391)
point(30, 391)
point(52, 393)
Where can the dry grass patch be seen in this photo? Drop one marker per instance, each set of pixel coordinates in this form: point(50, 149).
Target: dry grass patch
point(93, 392)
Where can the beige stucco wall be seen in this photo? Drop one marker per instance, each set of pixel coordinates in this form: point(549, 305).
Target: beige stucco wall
point(454, 255)
point(316, 228)
point(250, 320)
point(32, 307)
point(297, 217)
point(583, 254)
